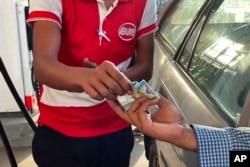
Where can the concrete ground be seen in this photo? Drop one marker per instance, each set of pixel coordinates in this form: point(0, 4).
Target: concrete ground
point(24, 157)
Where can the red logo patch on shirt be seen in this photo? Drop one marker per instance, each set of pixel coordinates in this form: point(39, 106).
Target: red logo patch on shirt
point(127, 31)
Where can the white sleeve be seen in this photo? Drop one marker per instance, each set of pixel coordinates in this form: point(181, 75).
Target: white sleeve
point(149, 15)
point(45, 10)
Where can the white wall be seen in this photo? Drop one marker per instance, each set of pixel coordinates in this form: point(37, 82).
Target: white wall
point(10, 54)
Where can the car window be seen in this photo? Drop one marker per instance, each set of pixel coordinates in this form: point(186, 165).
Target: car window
point(160, 4)
point(176, 24)
point(221, 62)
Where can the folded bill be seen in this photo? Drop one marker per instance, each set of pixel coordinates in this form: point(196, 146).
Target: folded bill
point(139, 89)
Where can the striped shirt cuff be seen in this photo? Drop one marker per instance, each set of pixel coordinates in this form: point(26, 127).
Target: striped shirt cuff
point(213, 146)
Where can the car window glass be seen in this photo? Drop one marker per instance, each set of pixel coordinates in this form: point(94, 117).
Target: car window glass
point(176, 24)
point(221, 62)
point(187, 52)
point(160, 4)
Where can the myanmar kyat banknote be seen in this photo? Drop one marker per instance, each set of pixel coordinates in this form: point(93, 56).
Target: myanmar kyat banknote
point(139, 89)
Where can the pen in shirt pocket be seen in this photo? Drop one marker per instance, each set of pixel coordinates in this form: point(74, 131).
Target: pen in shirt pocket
point(102, 34)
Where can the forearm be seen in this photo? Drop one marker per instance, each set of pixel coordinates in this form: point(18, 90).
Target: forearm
point(48, 70)
point(189, 139)
point(139, 71)
point(180, 135)
point(143, 67)
point(57, 75)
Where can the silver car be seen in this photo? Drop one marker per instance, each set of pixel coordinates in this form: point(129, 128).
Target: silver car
point(201, 64)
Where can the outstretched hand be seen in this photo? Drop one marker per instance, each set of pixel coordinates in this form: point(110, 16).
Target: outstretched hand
point(166, 124)
point(138, 115)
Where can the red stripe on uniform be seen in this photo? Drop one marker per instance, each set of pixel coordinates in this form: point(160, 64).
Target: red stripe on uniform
point(43, 15)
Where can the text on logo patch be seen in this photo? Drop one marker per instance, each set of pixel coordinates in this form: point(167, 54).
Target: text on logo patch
point(127, 31)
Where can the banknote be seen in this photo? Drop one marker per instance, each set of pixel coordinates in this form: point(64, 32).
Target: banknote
point(142, 88)
point(139, 89)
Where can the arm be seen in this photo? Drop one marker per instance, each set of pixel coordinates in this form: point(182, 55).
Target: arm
point(49, 71)
point(46, 43)
point(166, 124)
point(143, 67)
point(144, 60)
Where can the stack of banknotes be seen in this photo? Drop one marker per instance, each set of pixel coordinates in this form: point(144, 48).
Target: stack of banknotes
point(139, 89)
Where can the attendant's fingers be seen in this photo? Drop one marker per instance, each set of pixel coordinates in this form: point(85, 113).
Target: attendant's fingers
point(93, 93)
point(88, 63)
point(119, 83)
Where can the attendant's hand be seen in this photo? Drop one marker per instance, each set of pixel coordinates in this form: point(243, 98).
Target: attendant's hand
point(104, 81)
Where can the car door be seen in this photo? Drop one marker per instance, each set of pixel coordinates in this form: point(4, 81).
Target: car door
point(168, 79)
point(202, 65)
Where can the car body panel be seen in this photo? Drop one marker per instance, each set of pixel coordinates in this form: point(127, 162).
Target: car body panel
point(173, 85)
point(173, 81)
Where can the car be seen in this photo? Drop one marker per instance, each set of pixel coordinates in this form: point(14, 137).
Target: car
point(202, 65)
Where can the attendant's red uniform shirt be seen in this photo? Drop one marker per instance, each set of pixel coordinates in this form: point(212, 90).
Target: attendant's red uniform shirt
point(76, 114)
